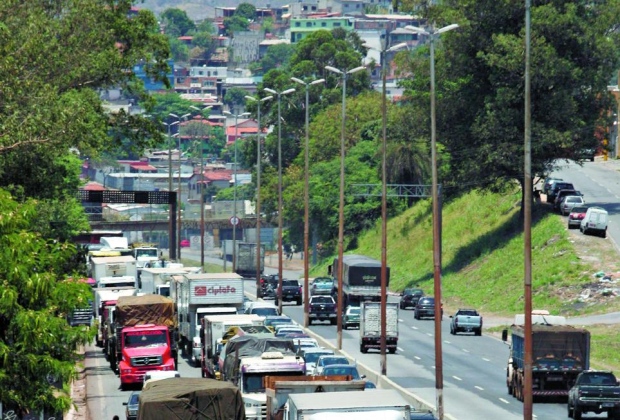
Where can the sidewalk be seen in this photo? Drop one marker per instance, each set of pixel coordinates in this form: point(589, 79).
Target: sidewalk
point(295, 263)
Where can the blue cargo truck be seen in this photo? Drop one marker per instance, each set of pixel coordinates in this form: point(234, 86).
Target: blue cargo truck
point(361, 279)
point(559, 354)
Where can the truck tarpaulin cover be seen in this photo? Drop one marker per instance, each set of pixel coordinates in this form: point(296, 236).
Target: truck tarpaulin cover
point(146, 309)
point(190, 399)
point(359, 270)
point(557, 341)
point(250, 346)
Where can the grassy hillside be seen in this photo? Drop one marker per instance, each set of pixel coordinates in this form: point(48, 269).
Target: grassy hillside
point(482, 254)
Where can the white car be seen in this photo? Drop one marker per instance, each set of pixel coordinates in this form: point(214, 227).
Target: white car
point(283, 329)
point(156, 375)
point(312, 354)
point(262, 309)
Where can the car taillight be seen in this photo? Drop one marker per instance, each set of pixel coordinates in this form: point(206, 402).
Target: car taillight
point(299, 289)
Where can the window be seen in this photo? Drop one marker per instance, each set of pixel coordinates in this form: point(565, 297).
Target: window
point(297, 24)
point(336, 24)
point(308, 24)
point(323, 24)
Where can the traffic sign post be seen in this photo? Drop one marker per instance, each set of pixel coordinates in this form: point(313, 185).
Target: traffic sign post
point(234, 220)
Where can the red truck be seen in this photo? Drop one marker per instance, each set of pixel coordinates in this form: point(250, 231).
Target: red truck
point(145, 337)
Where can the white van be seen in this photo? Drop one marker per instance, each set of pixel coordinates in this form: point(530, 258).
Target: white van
point(595, 221)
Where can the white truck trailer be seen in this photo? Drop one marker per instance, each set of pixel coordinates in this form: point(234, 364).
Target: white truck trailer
point(385, 404)
point(199, 295)
point(105, 301)
point(157, 280)
point(110, 271)
point(370, 326)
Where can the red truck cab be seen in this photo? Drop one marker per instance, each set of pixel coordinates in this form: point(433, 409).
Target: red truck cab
point(144, 347)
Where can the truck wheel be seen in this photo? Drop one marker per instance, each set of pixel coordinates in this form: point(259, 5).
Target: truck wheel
point(363, 349)
point(452, 331)
point(276, 302)
point(333, 321)
point(479, 332)
point(577, 413)
point(392, 350)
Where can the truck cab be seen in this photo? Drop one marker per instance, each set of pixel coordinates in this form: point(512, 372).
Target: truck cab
point(252, 371)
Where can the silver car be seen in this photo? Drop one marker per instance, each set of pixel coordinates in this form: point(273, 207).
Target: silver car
point(570, 201)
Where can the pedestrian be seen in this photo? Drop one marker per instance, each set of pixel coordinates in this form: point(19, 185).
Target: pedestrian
point(116, 418)
point(292, 252)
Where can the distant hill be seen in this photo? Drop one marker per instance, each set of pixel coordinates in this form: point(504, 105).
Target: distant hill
point(202, 9)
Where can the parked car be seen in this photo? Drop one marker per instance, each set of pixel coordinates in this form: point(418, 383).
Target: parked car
point(291, 292)
point(466, 320)
point(322, 286)
point(557, 186)
point(409, 298)
point(425, 308)
point(570, 201)
point(576, 215)
point(560, 195)
point(131, 406)
point(311, 355)
point(185, 243)
point(324, 361)
point(595, 221)
point(346, 369)
point(549, 183)
point(351, 317)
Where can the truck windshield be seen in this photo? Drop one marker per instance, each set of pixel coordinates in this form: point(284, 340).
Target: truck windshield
point(145, 339)
point(146, 253)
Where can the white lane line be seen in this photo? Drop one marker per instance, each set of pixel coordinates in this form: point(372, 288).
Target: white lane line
point(429, 334)
point(414, 328)
point(485, 359)
point(457, 378)
point(504, 401)
point(417, 357)
point(465, 350)
point(447, 342)
point(479, 388)
point(399, 349)
point(400, 320)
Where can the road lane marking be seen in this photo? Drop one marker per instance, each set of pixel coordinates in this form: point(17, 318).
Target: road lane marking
point(400, 320)
point(447, 342)
point(429, 334)
point(504, 401)
point(465, 350)
point(485, 359)
point(414, 327)
point(479, 388)
point(457, 378)
point(417, 357)
point(399, 349)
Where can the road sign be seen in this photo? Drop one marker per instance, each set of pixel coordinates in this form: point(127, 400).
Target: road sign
point(234, 220)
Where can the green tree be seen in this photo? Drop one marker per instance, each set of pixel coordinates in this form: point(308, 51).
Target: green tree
point(246, 10)
point(235, 98)
point(176, 22)
point(480, 84)
point(36, 341)
point(179, 51)
point(234, 24)
point(276, 56)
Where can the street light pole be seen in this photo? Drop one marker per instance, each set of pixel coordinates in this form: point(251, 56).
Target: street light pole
point(235, 219)
point(258, 169)
point(307, 197)
point(279, 95)
point(432, 33)
point(171, 239)
point(384, 282)
point(178, 241)
point(344, 74)
point(202, 186)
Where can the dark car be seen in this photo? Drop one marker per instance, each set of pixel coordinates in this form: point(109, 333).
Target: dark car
point(131, 406)
point(549, 183)
point(586, 154)
point(576, 215)
point(561, 194)
point(409, 298)
point(268, 287)
point(425, 308)
point(291, 292)
point(557, 186)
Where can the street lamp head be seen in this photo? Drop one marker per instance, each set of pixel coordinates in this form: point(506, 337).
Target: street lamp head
point(316, 82)
point(333, 69)
point(417, 30)
point(296, 80)
point(447, 28)
point(398, 47)
point(287, 91)
point(245, 114)
point(267, 98)
point(355, 70)
point(173, 115)
point(227, 113)
point(273, 92)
